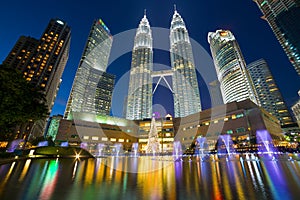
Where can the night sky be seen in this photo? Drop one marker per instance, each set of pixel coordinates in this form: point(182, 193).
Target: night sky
point(253, 34)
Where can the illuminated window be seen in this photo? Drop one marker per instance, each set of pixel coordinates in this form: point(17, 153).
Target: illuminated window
point(168, 134)
point(95, 138)
point(113, 139)
point(104, 139)
point(43, 85)
point(239, 115)
point(240, 130)
point(86, 137)
point(282, 111)
point(121, 140)
point(229, 132)
point(143, 140)
point(233, 116)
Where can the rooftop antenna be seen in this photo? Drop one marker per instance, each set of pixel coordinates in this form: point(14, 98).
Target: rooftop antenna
point(175, 8)
point(145, 12)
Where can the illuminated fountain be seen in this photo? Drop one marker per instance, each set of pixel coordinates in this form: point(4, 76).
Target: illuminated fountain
point(201, 147)
point(177, 151)
point(153, 143)
point(117, 149)
point(135, 148)
point(264, 142)
point(100, 149)
point(225, 145)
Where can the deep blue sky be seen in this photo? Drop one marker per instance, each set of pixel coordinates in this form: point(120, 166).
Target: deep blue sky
point(255, 37)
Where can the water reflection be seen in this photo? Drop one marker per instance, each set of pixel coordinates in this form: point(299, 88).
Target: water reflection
point(146, 178)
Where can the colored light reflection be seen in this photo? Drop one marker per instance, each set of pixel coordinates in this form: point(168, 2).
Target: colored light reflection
point(25, 169)
point(276, 180)
point(4, 181)
point(107, 178)
point(50, 181)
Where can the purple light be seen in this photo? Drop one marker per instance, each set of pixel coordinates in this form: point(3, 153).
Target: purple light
point(43, 144)
point(83, 145)
point(14, 145)
point(264, 142)
point(64, 144)
point(156, 115)
point(225, 141)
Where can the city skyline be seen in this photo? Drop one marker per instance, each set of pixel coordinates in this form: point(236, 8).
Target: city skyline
point(256, 38)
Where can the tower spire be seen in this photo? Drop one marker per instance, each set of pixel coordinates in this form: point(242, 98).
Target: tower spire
point(175, 10)
point(145, 12)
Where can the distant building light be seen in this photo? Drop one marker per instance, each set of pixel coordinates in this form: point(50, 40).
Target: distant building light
point(60, 22)
point(95, 138)
point(86, 137)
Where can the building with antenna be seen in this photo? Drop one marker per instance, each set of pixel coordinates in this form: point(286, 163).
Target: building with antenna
point(184, 79)
point(185, 85)
point(139, 99)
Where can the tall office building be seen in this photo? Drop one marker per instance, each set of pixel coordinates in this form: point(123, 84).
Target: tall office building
point(139, 100)
point(296, 110)
point(185, 84)
point(92, 87)
point(235, 81)
point(42, 61)
point(268, 92)
point(283, 17)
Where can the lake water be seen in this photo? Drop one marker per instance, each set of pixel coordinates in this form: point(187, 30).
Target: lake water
point(149, 177)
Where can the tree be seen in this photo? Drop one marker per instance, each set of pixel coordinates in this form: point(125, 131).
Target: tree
point(21, 102)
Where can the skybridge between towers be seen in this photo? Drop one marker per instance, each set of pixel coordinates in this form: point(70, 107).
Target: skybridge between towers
point(162, 74)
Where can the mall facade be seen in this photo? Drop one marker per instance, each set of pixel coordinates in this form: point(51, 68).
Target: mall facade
point(240, 120)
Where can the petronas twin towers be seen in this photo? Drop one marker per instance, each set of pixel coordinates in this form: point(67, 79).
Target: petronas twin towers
point(184, 80)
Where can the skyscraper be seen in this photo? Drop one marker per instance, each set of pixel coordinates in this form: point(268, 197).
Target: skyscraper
point(296, 110)
point(92, 86)
point(139, 100)
point(283, 18)
point(42, 63)
point(185, 84)
point(235, 82)
point(268, 92)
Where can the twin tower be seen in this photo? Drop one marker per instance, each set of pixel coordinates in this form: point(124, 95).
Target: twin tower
point(184, 80)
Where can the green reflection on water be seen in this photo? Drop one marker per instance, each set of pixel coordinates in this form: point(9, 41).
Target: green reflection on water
point(145, 178)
